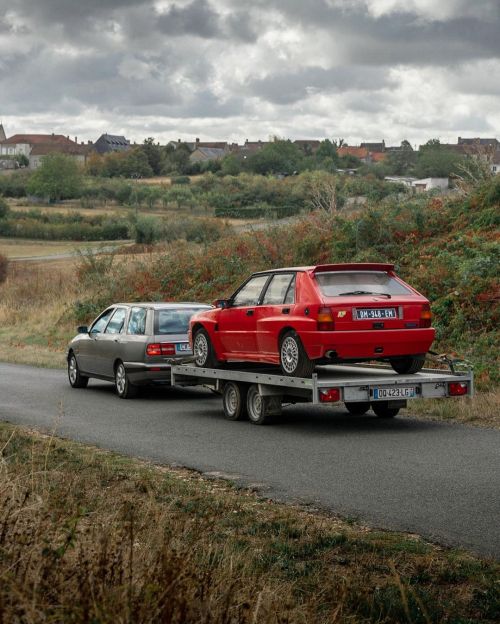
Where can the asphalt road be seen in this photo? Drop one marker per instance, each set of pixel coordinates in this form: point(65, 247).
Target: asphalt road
point(439, 480)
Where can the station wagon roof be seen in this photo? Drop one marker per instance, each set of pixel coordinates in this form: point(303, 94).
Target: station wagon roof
point(323, 268)
point(160, 305)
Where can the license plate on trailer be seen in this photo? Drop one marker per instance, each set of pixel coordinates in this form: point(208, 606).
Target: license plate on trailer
point(371, 314)
point(394, 393)
point(182, 347)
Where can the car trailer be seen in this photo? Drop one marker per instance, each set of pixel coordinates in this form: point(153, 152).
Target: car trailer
point(258, 393)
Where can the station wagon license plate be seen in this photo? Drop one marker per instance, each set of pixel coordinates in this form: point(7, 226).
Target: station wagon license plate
point(182, 347)
point(368, 314)
point(394, 393)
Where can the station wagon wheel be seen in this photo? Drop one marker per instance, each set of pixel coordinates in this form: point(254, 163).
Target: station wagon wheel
point(76, 379)
point(293, 358)
point(203, 350)
point(124, 388)
point(383, 409)
point(234, 401)
point(357, 408)
point(408, 365)
point(262, 410)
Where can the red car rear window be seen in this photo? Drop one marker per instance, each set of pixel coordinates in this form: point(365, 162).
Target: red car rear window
point(338, 283)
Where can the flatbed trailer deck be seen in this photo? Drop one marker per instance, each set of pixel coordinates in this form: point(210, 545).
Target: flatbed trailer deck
point(258, 393)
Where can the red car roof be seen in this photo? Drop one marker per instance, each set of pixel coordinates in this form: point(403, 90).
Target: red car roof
point(351, 266)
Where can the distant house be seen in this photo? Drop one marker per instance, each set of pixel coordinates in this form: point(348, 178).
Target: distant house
point(430, 184)
point(406, 180)
point(78, 153)
point(495, 163)
point(205, 154)
point(374, 147)
point(35, 146)
point(358, 152)
point(111, 143)
point(478, 141)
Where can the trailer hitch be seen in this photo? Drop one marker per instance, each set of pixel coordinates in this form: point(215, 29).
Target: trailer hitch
point(457, 366)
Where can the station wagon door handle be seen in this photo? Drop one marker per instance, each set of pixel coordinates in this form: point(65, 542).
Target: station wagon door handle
point(249, 312)
point(285, 310)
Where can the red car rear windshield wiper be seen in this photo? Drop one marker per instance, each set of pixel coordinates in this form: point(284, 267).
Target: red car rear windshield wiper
point(365, 292)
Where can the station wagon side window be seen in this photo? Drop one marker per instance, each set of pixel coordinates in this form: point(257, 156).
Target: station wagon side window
point(100, 325)
point(249, 294)
point(278, 289)
point(137, 322)
point(115, 325)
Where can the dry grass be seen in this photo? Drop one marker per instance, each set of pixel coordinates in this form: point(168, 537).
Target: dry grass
point(89, 536)
point(482, 410)
point(24, 248)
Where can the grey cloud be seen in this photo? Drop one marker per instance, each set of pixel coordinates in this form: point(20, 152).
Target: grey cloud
point(197, 18)
point(292, 86)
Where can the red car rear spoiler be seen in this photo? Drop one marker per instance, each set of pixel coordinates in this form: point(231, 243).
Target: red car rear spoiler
point(355, 266)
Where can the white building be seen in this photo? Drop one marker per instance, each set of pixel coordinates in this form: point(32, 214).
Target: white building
point(430, 184)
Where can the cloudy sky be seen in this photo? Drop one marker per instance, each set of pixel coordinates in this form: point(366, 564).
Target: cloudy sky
point(237, 69)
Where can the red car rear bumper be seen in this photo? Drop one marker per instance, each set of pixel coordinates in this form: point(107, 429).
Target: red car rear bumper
point(350, 345)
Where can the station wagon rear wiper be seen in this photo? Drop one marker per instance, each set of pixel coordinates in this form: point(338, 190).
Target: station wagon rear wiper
point(364, 292)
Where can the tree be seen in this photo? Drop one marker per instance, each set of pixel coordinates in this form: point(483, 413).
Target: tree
point(153, 153)
point(437, 161)
point(231, 165)
point(58, 177)
point(176, 159)
point(402, 161)
point(277, 157)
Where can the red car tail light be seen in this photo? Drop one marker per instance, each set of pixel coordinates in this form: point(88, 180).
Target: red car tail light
point(329, 395)
point(426, 316)
point(325, 320)
point(456, 388)
point(155, 349)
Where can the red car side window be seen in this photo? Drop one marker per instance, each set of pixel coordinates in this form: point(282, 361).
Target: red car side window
point(250, 293)
point(278, 289)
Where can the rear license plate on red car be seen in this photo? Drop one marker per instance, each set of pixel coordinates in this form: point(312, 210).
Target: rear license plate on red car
point(368, 314)
point(394, 393)
point(182, 347)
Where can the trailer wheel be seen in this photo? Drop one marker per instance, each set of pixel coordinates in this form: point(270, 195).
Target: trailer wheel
point(262, 410)
point(383, 409)
point(234, 401)
point(357, 408)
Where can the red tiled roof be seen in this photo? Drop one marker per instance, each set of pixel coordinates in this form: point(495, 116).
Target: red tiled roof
point(34, 139)
point(359, 152)
point(378, 156)
point(42, 149)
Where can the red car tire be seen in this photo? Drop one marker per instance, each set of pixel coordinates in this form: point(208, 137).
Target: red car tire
point(408, 365)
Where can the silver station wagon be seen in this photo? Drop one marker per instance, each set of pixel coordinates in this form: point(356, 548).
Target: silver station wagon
point(132, 344)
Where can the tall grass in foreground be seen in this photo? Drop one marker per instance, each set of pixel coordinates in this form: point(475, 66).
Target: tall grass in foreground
point(86, 536)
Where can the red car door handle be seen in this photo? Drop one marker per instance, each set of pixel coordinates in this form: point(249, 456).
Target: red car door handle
point(285, 310)
point(249, 312)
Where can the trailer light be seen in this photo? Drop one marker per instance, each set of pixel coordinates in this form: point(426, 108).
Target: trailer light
point(325, 320)
point(456, 388)
point(426, 316)
point(329, 395)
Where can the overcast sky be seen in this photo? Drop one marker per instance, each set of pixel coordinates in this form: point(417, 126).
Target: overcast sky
point(237, 69)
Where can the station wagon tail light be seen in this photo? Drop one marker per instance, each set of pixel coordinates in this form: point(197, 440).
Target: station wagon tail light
point(325, 320)
point(425, 316)
point(329, 395)
point(457, 388)
point(160, 348)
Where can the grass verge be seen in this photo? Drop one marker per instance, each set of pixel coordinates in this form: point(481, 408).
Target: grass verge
point(90, 536)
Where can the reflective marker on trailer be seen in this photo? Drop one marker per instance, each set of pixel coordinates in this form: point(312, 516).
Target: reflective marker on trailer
point(329, 395)
point(456, 388)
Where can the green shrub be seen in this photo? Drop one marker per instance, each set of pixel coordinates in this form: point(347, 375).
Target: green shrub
point(4, 265)
point(183, 179)
point(4, 208)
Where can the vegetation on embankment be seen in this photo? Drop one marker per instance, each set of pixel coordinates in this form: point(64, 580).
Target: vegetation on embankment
point(90, 536)
point(446, 248)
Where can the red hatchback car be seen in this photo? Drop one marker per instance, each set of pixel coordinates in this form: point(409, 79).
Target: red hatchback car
point(303, 316)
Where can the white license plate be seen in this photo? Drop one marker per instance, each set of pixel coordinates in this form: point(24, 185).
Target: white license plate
point(394, 393)
point(373, 314)
point(182, 347)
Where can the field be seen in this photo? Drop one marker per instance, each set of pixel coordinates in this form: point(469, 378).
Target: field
point(90, 536)
point(16, 248)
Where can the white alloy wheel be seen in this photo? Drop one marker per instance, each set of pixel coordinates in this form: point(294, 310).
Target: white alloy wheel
point(200, 349)
point(290, 355)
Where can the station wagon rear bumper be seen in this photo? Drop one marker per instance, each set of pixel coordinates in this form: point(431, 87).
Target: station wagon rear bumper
point(143, 374)
point(369, 344)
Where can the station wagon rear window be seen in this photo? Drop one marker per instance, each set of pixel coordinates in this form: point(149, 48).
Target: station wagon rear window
point(338, 283)
point(173, 321)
